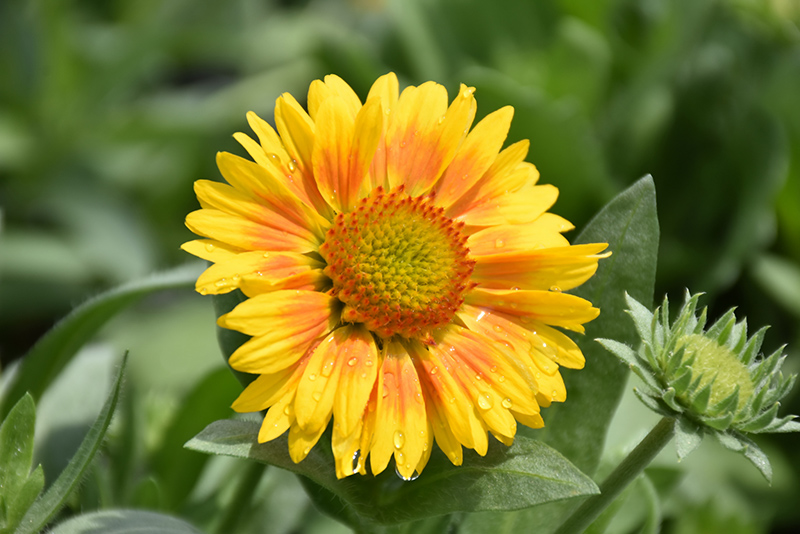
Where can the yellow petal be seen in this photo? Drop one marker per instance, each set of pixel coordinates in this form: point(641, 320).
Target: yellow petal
point(544, 232)
point(563, 268)
point(268, 389)
point(386, 89)
point(357, 379)
point(550, 307)
point(301, 441)
point(400, 425)
point(282, 311)
point(211, 250)
point(474, 157)
point(296, 130)
point(242, 233)
point(333, 85)
point(278, 419)
point(517, 207)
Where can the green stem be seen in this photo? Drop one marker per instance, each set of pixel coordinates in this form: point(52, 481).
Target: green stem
point(241, 498)
point(618, 480)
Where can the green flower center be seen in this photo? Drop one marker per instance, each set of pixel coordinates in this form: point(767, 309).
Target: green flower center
point(398, 264)
point(714, 360)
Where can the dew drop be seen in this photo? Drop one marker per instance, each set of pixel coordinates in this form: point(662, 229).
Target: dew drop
point(306, 450)
point(501, 378)
point(210, 247)
point(499, 243)
point(434, 370)
point(274, 157)
point(287, 410)
point(555, 289)
point(555, 394)
point(317, 396)
point(222, 283)
point(493, 369)
point(369, 363)
point(266, 254)
point(352, 361)
point(327, 369)
point(399, 439)
point(497, 328)
point(312, 377)
point(204, 291)
point(484, 402)
point(236, 277)
point(452, 400)
point(441, 119)
point(506, 403)
point(357, 460)
point(468, 92)
point(414, 476)
point(478, 377)
point(292, 165)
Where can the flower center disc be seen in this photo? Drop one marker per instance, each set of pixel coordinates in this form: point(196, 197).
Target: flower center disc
point(398, 264)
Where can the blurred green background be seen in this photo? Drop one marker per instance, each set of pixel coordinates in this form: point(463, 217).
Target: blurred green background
point(110, 109)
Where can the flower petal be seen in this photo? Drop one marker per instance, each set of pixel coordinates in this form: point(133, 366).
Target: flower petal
point(344, 149)
point(280, 164)
point(268, 389)
point(544, 232)
point(400, 426)
point(243, 233)
point(333, 86)
point(211, 250)
point(550, 307)
point(518, 207)
point(302, 440)
point(357, 379)
point(386, 89)
point(278, 419)
point(563, 268)
point(474, 157)
point(424, 135)
point(296, 130)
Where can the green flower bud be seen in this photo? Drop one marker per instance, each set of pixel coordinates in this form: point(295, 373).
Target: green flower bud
point(711, 380)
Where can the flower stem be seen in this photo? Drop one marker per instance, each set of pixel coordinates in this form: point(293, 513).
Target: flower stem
point(241, 498)
point(618, 480)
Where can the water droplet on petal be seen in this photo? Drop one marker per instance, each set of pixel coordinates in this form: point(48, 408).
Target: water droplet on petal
point(434, 370)
point(357, 460)
point(399, 439)
point(497, 328)
point(555, 394)
point(484, 401)
point(555, 289)
point(369, 363)
point(352, 361)
point(292, 165)
point(327, 369)
point(210, 247)
point(306, 450)
point(493, 369)
point(506, 403)
point(266, 254)
point(501, 378)
point(274, 157)
point(414, 476)
point(312, 377)
point(204, 291)
point(317, 395)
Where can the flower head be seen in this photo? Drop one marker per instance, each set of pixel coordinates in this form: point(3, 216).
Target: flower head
point(710, 380)
point(402, 272)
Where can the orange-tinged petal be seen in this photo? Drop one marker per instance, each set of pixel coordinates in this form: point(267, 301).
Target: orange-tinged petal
point(441, 429)
point(297, 180)
point(302, 440)
point(243, 233)
point(270, 190)
point(386, 89)
point(211, 250)
point(346, 451)
point(563, 268)
point(333, 85)
point(507, 173)
point(268, 270)
point(357, 379)
point(400, 424)
point(285, 311)
point(474, 157)
point(316, 392)
point(296, 130)
point(550, 307)
point(544, 232)
point(440, 366)
point(424, 134)
point(517, 207)
point(344, 149)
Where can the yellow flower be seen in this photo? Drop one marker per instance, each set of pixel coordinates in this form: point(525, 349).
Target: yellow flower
point(403, 275)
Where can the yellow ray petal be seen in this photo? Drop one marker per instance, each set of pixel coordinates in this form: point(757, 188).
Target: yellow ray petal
point(319, 91)
point(301, 441)
point(268, 389)
point(284, 311)
point(277, 420)
point(563, 268)
point(271, 270)
point(296, 130)
point(357, 379)
point(544, 232)
point(386, 89)
point(400, 425)
point(474, 157)
point(211, 250)
point(243, 233)
point(518, 207)
point(550, 307)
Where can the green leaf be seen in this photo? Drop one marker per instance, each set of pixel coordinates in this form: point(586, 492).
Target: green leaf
point(688, 437)
point(56, 348)
point(46, 506)
point(19, 504)
point(16, 448)
point(629, 225)
point(124, 522)
point(523, 475)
